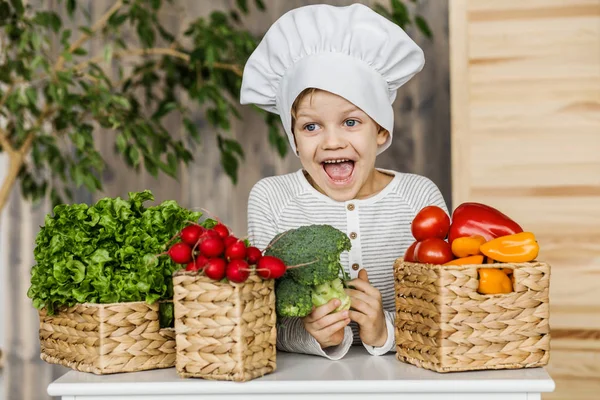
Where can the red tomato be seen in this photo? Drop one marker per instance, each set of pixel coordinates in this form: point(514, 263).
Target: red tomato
point(430, 222)
point(410, 255)
point(434, 251)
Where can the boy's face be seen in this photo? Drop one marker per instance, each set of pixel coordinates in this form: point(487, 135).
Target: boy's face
point(337, 144)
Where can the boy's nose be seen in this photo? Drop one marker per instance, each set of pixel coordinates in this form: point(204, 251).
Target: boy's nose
point(333, 139)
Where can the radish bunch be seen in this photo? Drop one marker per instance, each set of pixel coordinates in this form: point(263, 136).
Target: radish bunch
point(218, 254)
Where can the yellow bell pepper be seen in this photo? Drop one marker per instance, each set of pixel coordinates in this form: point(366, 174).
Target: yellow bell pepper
point(517, 248)
point(493, 281)
point(466, 260)
point(467, 245)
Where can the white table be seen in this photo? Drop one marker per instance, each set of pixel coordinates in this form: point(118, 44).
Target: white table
point(357, 376)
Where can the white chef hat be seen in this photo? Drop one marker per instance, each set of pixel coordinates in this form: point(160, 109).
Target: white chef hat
point(350, 51)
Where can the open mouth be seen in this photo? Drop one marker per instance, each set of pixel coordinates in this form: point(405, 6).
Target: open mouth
point(340, 170)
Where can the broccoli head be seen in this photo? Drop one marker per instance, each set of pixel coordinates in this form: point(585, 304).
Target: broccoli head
point(317, 246)
point(292, 299)
point(323, 293)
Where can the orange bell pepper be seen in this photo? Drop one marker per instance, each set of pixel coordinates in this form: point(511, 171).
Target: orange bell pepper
point(520, 247)
point(478, 259)
point(493, 281)
point(467, 245)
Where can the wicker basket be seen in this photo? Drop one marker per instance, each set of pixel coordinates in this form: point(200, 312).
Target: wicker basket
point(107, 338)
point(224, 331)
point(444, 324)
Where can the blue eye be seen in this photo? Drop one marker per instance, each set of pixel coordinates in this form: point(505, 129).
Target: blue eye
point(310, 127)
point(351, 122)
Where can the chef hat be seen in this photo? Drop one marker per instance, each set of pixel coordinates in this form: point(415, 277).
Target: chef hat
point(350, 51)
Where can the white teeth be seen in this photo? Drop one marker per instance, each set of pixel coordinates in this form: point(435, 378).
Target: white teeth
point(336, 161)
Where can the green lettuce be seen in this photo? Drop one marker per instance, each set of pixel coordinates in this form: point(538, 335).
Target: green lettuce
point(106, 253)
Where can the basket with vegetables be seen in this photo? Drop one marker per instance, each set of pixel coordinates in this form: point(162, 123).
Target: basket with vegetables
point(224, 306)
point(104, 297)
point(229, 295)
point(478, 300)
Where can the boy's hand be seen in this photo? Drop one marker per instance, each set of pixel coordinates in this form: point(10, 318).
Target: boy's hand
point(367, 310)
point(326, 328)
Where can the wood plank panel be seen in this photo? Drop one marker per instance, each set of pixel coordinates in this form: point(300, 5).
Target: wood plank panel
point(525, 78)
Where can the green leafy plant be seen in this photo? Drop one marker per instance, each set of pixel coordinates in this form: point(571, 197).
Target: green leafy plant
point(107, 252)
point(52, 100)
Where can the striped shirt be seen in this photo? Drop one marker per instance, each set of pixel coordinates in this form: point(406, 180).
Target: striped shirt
point(379, 228)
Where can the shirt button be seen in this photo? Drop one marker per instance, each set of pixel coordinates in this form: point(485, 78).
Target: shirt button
point(355, 267)
point(353, 235)
point(350, 207)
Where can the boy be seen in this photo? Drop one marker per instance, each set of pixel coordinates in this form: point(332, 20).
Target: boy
point(331, 73)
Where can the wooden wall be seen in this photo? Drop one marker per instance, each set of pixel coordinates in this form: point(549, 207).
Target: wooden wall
point(421, 141)
point(525, 90)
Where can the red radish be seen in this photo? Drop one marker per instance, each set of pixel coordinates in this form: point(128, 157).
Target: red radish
point(253, 254)
point(211, 233)
point(212, 247)
point(221, 230)
point(237, 271)
point(215, 268)
point(197, 264)
point(236, 251)
point(180, 253)
point(191, 233)
point(229, 240)
point(270, 267)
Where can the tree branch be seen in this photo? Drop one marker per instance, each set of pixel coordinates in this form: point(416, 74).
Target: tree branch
point(26, 146)
point(83, 38)
point(5, 143)
point(156, 51)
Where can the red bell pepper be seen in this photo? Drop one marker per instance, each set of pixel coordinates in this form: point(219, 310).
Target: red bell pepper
point(471, 219)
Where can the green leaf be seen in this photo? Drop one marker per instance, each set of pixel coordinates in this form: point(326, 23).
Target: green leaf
point(423, 26)
point(151, 166)
point(121, 143)
point(117, 20)
point(4, 12)
point(190, 127)
point(108, 52)
point(163, 109)
point(31, 94)
point(80, 51)
point(156, 4)
point(71, 7)
point(122, 101)
point(235, 16)
point(276, 140)
point(48, 19)
point(260, 5)
point(91, 182)
point(86, 30)
point(133, 154)
point(210, 56)
point(36, 40)
point(145, 33)
point(18, 6)
point(64, 38)
point(243, 6)
point(400, 13)
point(230, 165)
point(77, 174)
point(230, 145)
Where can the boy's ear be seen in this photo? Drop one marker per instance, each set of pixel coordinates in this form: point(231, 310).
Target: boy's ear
point(382, 136)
